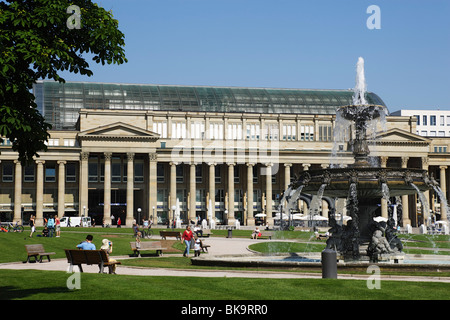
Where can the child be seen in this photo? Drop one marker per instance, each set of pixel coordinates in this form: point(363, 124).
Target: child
point(138, 240)
point(197, 248)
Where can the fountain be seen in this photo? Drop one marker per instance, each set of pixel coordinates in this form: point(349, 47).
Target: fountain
point(365, 239)
point(363, 185)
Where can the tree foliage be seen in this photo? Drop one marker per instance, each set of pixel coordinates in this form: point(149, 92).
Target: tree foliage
point(36, 43)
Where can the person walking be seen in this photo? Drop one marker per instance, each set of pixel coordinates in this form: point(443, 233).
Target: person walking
point(32, 225)
point(58, 227)
point(187, 236)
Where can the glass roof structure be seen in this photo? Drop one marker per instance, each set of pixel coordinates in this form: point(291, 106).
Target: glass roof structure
point(60, 103)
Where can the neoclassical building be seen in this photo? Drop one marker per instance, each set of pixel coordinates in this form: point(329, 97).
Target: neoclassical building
point(139, 151)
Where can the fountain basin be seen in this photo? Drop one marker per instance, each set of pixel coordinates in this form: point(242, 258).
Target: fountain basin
point(313, 261)
point(368, 181)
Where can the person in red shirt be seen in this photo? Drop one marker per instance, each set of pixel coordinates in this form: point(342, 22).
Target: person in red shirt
point(187, 236)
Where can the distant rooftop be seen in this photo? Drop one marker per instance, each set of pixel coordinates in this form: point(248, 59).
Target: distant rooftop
point(60, 103)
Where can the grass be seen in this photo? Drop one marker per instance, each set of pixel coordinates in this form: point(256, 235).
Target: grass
point(45, 285)
point(41, 285)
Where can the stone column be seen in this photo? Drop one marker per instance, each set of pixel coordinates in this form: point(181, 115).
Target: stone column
point(269, 193)
point(192, 192)
point(231, 219)
point(405, 205)
point(107, 189)
point(61, 187)
point(384, 203)
point(18, 191)
point(426, 215)
point(173, 189)
point(84, 182)
point(444, 191)
point(250, 217)
point(130, 189)
point(40, 193)
point(153, 187)
point(212, 190)
point(287, 175)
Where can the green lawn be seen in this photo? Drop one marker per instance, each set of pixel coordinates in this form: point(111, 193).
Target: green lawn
point(41, 285)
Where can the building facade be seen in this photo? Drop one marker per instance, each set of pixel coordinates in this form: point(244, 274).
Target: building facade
point(139, 151)
point(430, 123)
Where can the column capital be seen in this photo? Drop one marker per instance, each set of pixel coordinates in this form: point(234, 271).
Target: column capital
point(153, 156)
point(40, 161)
point(108, 155)
point(443, 167)
point(405, 162)
point(173, 163)
point(231, 164)
point(288, 164)
point(211, 164)
point(324, 165)
point(130, 156)
point(250, 164)
point(61, 162)
point(84, 155)
point(306, 166)
point(383, 161)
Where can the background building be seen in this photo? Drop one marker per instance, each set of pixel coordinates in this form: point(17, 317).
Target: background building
point(117, 148)
point(430, 123)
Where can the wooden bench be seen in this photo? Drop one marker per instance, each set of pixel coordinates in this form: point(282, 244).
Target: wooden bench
point(35, 250)
point(204, 233)
point(78, 257)
point(147, 246)
point(165, 234)
point(266, 234)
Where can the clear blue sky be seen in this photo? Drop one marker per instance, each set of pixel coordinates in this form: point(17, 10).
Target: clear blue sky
point(287, 44)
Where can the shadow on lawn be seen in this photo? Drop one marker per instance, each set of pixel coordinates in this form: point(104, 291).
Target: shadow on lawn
point(11, 292)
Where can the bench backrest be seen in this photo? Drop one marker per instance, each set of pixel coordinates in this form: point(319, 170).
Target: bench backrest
point(34, 248)
point(170, 233)
point(75, 256)
point(146, 245)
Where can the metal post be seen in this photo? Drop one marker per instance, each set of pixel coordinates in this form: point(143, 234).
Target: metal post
point(329, 264)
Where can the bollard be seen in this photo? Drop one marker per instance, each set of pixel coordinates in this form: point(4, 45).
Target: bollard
point(329, 264)
point(230, 233)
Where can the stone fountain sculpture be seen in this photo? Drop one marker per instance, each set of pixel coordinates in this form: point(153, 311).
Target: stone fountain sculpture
point(362, 184)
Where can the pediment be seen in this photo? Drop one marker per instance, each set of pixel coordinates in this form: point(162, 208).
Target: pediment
point(119, 131)
point(398, 136)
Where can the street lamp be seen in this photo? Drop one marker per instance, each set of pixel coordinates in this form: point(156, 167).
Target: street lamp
point(153, 213)
point(139, 216)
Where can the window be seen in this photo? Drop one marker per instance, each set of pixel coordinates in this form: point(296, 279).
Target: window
point(220, 195)
point(178, 130)
point(234, 131)
point(116, 165)
point(197, 130)
point(69, 142)
point(160, 173)
point(52, 142)
point(432, 120)
point(441, 134)
point(440, 149)
point(432, 133)
point(71, 172)
point(307, 133)
point(28, 174)
point(289, 131)
point(442, 121)
point(270, 132)
point(448, 120)
point(138, 171)
point(424, 120)
point(50, 173)
point(424, 133)
point(418, 119)
point(198, 173)
point(217, 174)
point(180, 173)
point(160, 127)
point(216, 131)
point(7, 170)
point(236, 174)
point(253, 131)
point(255, 174)
point(325, 133)
point(93, 169)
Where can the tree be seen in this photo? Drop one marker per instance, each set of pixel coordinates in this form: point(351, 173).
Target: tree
point(38, 39)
